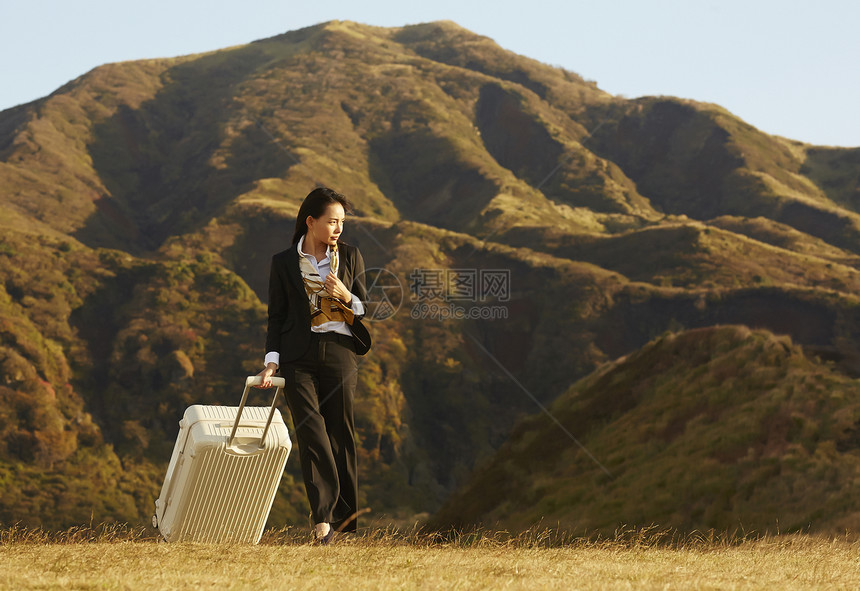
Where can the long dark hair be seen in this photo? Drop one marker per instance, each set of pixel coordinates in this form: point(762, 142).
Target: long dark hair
point(315, 205)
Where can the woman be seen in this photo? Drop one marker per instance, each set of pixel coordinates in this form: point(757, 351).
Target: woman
point(316, 289)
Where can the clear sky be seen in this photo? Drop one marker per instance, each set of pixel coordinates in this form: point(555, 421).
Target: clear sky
point(788, 67)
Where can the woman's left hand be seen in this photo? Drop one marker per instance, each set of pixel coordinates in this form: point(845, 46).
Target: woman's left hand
point(337, 289)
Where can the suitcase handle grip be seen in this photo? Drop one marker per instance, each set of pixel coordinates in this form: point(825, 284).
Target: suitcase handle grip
point(257, 380)
point(278, 384)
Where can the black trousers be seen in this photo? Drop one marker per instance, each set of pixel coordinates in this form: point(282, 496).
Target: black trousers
point(320, 390)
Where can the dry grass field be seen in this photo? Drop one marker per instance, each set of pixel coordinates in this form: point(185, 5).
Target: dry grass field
point(125, 559)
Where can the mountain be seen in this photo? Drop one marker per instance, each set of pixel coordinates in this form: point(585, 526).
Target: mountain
point(719, 428)
point(527, 227)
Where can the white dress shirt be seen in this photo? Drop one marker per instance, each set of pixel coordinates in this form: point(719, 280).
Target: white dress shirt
point(322, 267)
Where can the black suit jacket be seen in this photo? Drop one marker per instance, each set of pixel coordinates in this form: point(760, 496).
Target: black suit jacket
point(289, 329)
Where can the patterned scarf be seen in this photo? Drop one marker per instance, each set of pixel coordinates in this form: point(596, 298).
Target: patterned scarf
point(324, 308)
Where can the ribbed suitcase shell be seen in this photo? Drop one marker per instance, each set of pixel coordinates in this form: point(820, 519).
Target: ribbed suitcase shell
point(218, 493)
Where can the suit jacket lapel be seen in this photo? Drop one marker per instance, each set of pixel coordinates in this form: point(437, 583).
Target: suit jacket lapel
point(293, 271)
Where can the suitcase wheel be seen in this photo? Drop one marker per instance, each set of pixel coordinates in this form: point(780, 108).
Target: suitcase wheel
point(155, 521)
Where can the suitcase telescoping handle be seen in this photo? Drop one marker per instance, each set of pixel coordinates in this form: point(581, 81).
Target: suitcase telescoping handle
point(278, 384)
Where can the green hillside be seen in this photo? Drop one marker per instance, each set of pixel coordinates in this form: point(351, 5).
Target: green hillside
point(140, 205)
point(718, 428)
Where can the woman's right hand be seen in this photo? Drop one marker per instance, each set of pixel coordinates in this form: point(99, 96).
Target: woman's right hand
point(267, 374)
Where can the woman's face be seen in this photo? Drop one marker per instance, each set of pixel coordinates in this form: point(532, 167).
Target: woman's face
point(327, 228)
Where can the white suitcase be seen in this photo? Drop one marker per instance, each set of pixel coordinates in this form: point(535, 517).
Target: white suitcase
point(224, 472)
